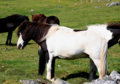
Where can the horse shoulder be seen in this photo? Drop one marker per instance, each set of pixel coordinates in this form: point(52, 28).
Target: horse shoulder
point(52, 31)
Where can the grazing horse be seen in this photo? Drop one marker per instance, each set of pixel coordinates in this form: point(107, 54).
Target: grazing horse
point(64, 43)
point(10, 23)
point(43, 19)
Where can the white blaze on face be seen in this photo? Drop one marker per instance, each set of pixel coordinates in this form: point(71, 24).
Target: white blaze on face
point(20, 41)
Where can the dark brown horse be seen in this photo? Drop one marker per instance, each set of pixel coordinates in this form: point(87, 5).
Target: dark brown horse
point(43, 19)
point(10, 23)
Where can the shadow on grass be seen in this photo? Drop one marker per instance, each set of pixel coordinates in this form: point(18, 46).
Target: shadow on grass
point(78, 75)
point(16, 44)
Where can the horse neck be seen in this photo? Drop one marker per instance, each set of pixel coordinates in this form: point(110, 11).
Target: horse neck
point(38, 33)
point(46, 33)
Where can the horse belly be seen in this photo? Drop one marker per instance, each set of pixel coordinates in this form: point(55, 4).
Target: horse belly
point(75, 56)
point(68, 50)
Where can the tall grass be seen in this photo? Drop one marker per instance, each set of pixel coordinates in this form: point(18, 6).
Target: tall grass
point(18, 65)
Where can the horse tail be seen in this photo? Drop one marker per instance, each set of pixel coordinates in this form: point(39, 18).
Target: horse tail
point(103, 58)
point(42, 61)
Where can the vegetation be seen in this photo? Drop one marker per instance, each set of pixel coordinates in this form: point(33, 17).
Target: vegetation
point(18, 64)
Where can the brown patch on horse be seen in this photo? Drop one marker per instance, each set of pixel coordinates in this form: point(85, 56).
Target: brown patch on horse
point(38, 17)
point(43, 19)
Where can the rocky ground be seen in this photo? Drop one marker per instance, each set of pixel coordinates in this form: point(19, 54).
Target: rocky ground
point(41, 81)
point(113, 78)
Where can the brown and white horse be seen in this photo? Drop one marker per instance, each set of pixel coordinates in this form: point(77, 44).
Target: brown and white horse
point(43, 19)
point(10, 23)
point(64, 43)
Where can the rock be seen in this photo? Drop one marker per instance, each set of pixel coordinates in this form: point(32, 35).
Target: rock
point(113, 4)
point(59, 65)
point(107, 77)
point(41, 81)
point(58, 81)
point(91, 0)
point(76, 3)
point(113, 78)
point(114, 74)
point(60, 6)
point(87, 83)
point(103, 81)
point(97, 7)
point(107, 4)
point(30, 81)
point(32, 10)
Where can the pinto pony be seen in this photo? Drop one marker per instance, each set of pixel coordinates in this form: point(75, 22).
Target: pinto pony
point(64, 43)
point(43, 19)
point(10, 23)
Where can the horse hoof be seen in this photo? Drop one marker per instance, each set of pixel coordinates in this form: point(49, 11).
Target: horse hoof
point(52, 80)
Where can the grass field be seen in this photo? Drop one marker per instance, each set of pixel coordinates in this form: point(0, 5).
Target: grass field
point(18, 65)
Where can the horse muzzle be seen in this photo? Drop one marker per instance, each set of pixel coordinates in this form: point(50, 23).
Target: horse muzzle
point(19, 46)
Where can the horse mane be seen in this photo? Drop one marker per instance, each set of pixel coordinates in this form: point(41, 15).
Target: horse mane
point(36, 31)
point(114, 25)
point(21, 28)
point(38, 17)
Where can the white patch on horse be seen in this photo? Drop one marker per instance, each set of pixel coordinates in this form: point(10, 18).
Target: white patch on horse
point(66, 29)
point(70, 40)
point(20, 40)
point(52, 30)
point(101, 29)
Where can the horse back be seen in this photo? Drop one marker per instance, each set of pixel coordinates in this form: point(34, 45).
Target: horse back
point(8, 24)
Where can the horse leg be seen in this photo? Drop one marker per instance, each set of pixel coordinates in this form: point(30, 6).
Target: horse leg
point(93, 70)
point(101, 66)
point(42, 61)
point(9, 37)
point(100, 59)
point(50, 68)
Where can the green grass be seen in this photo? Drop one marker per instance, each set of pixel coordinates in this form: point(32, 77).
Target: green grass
point(18, 64)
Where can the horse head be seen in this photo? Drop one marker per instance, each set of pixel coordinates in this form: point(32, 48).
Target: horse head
point(52, 20)
point(26, 18)
point(32, 30)
point(22, 40)
point(38, 17)
point(21, 43)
